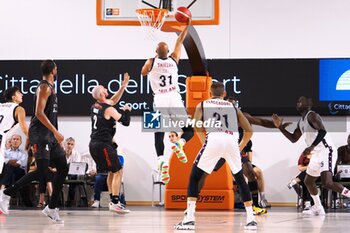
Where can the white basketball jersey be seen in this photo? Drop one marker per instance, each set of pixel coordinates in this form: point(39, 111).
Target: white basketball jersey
point(7, 121)
point(163, 75)
point(218, 110)
point(310, 134)
point(7, 116)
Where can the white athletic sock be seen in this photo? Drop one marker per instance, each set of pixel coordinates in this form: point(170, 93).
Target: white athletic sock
point(191, 209)
point(317, 200)
point(250, 214)
point(345, 192)
point(262, 196)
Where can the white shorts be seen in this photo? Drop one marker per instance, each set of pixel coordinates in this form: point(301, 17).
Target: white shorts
point(216, 146)
point(171, 106)
point(323, 160)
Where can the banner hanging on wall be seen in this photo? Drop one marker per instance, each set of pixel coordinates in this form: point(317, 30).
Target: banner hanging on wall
point(262, 86)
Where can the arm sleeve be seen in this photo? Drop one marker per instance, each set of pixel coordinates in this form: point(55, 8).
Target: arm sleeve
point(319, 137)
point(125, 118)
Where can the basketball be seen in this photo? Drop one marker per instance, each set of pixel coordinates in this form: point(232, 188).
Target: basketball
point(183, 14)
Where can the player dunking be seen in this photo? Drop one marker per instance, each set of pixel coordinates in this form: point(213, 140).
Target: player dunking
point(103, 118)
point(319, 145)
point(11, 114)
point(221, 142)
point(45, 142)
point(162, 72)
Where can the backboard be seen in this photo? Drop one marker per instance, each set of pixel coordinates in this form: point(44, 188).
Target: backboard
point(123, 12)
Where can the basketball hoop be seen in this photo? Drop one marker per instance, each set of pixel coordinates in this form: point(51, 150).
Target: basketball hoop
point(151, 20)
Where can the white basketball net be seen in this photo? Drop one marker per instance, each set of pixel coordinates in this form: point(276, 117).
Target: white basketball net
point(151, 21)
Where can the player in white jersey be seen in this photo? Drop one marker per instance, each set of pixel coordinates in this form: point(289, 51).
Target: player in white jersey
point(162, 72)
point(11, 114)
point(321, 148)
point(221, 141)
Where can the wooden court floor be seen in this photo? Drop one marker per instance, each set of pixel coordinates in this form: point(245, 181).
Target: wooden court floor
point(156, 219)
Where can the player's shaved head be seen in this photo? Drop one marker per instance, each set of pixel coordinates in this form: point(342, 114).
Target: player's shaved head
point(96, 92)
point(162, 50)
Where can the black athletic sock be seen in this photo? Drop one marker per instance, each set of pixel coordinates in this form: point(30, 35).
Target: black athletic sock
point(254, 189)
point(115, 199)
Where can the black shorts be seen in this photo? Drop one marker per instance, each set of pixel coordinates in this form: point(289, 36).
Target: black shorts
point(105, 156)
point(45, 150)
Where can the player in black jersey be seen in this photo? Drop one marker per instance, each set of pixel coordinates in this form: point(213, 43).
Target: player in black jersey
point(103, 118)
point(45, 140)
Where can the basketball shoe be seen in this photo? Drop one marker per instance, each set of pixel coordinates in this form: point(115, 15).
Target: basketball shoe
point(118, 208)
point(52, 214)
point(179, 151)
point(4, 202)
point(185, 225)
point(315, 210)
point(251, 226)
point(259, 211)
point(96, 204)
point(264, 204)
point(307, 205)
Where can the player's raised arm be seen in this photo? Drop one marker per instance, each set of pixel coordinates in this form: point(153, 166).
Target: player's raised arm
point(116, 97)
point(176, 54)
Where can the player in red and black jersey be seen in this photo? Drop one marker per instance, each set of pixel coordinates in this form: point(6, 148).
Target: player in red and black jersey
point(103, 118)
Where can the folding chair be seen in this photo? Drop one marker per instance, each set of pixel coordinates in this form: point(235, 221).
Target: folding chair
point(78, 169)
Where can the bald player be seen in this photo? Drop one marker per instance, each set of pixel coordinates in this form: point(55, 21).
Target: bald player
point(162, 72)
point(103, 118)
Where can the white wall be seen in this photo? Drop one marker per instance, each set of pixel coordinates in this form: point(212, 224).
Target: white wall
point(66, 29)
